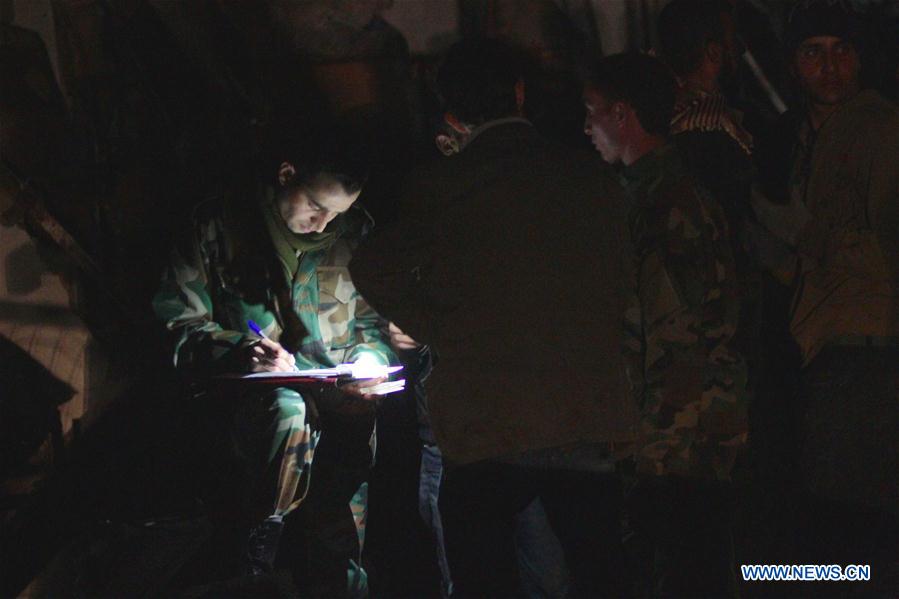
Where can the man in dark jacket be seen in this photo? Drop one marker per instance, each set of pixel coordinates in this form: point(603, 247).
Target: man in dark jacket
point(699, 44)
point(508, 261)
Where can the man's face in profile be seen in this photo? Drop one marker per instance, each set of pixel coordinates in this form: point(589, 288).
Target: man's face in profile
point(600, 125)
point(827, 68)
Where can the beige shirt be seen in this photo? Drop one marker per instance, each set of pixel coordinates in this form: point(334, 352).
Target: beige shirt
point(847, 174)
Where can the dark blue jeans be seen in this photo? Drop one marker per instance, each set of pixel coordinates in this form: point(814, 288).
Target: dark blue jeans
point(480, 503)
point(541, 561)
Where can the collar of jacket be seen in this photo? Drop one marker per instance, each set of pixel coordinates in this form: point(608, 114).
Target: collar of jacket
point(644, 175)
point(842, 120)
point(863, 100)
point(512, 120)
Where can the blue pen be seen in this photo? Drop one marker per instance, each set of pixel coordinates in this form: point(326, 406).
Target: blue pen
point(255, 328)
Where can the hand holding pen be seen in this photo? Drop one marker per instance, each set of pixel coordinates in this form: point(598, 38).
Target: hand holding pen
point(268, 355)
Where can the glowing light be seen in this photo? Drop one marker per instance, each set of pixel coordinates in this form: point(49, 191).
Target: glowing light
point(367, 366)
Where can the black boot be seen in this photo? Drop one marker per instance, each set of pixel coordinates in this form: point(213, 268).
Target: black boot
point(262, 546)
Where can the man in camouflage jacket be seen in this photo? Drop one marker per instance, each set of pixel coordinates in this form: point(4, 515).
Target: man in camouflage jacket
point(699, 43)
point(689, 383)
point(280, 261)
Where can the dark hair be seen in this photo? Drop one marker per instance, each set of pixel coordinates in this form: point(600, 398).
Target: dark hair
point(640, 81)
point(685, 27)
point(340, 155)
point(477, 80)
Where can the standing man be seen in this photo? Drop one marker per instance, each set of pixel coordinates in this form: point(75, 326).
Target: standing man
point(541, 561)
point(699, 44)
point(508, 261)
point(278, 256)
point(688, 381)
point(838, 219)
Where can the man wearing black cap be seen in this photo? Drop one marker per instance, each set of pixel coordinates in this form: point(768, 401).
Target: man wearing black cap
point(838, 217)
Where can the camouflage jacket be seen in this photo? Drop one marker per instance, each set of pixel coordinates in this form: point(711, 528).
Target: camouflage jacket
point(716, 150)
point(212, 288)
point(689, 383)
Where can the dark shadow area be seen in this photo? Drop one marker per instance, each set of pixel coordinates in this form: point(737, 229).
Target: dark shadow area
point(28, 416)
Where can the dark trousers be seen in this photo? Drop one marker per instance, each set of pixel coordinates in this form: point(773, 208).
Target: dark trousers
point(478, 503)
point(324, 528)
point(849, 459)
point(682, 543)
point(850, 418)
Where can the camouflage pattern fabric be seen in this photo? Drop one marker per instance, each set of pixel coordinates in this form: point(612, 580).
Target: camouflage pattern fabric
point(206, 301)
point(689, 383)
point(357, 579)
point(202, 279)
point(292, 448)
point(717, 151)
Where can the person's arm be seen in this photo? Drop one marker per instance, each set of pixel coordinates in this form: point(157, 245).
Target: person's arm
point(633, 347)
point(391, 270)
point(864, 245)
point(692, 379)
point(722, 166)
point(671, 306)
point(184, 304)
point(867, 249)
point(371, 337)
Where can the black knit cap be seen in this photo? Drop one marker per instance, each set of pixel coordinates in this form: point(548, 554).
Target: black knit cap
point(813, 18)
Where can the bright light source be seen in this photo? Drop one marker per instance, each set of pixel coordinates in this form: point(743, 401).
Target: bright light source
point(367, 366)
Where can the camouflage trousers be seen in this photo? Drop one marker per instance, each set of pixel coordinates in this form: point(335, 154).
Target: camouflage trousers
point(316, 467)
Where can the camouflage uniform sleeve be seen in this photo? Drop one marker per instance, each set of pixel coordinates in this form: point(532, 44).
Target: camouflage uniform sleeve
point(184, 304)
point(371, 335)
point(632, 339)
point(693, 385)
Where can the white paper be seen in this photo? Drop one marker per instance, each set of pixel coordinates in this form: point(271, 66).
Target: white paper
point(341, 370)
point(385, 388)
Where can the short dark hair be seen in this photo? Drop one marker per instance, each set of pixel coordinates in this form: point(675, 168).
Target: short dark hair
point(685, 27)
point(341, 155)
point(640, 81)
point(477, 79)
